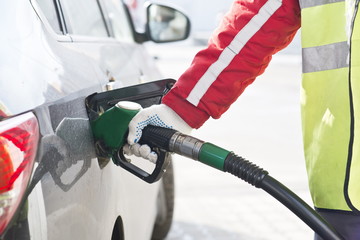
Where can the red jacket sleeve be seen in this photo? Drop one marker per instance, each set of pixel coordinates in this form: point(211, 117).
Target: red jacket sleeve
point(239, 51)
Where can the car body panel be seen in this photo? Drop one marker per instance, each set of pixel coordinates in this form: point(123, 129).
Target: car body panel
point(36, 61)
point(70, 196)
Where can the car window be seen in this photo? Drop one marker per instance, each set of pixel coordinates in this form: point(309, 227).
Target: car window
point(119, 22)
point(83, 17)
point(49, 10)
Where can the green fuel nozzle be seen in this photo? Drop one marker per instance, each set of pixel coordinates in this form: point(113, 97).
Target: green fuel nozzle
point(110, 130)
point(111, 127)
point(110, 113)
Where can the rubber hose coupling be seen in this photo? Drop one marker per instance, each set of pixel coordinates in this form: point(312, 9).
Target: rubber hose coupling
point(244, 170)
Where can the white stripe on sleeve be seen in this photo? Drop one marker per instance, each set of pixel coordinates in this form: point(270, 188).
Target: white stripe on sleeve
point(229, 53)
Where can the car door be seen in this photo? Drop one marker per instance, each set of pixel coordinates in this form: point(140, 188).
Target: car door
point(84, 197)
point(51, 80)
point(65, 169)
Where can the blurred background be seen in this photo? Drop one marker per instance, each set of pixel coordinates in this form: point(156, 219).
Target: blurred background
point(263, 126)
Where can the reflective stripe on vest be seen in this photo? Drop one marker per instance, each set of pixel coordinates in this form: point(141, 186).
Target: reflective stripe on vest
point(329, 107)
point(312, 3)
point(327, 57)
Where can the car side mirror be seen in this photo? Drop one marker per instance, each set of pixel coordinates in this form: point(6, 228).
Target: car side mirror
point(166, 24)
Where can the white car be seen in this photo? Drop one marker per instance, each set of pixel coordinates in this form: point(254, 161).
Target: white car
point(55, 53)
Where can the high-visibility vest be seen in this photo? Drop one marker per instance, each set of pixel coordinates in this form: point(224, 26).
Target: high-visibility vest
point(330, 104)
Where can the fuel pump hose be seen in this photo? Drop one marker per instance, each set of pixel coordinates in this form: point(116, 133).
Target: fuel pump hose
point(226, 161)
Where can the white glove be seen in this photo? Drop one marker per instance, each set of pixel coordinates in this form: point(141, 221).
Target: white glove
point(156, 115)
point(138, 150)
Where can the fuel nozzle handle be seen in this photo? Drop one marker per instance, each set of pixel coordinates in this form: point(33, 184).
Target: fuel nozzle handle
point(157, 137)
point(173, 141)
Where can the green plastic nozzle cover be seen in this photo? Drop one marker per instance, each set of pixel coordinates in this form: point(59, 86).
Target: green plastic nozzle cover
point(111, 127)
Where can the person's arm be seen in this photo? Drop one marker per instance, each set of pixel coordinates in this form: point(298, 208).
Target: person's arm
point(240, 49)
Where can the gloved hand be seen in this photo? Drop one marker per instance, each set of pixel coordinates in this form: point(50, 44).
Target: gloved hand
point(157, 115)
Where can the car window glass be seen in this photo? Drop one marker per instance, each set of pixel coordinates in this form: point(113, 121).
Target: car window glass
point(49, 10)
point(118, 20)
point(83, 17)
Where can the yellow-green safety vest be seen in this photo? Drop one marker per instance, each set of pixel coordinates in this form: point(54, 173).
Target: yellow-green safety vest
point(330, 103)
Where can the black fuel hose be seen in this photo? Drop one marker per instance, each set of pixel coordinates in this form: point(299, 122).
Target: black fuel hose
point(260, 178)
point(221, 159)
